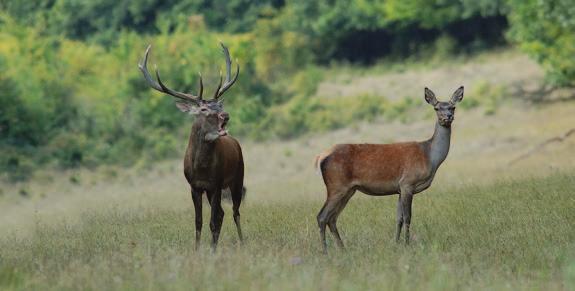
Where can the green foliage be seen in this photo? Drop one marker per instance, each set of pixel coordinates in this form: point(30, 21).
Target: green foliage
point(103, 20)
point(80, 104)
point(327, 28)
point(307, 81)
point(313, 114)
point(439, 13)
point(545, 30)
point(364, 30)
point(485, 95)
point(70, 93)
point(490, 96)
point(444, 47)
point(280, 50)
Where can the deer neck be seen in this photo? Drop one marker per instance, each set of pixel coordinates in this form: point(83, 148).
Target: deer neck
point(439, 145)
point(202, 150)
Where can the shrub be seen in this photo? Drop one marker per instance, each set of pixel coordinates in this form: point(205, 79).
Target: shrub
point(486, 95)
point(544, 29)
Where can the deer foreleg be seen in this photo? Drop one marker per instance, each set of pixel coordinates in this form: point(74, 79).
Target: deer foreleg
point(399, 218)
point(197, 198)
point(406, 198)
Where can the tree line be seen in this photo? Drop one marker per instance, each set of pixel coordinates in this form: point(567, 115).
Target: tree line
point(70, 93)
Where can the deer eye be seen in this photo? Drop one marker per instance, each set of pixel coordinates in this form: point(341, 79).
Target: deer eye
point(435, 108)
point(204, 110)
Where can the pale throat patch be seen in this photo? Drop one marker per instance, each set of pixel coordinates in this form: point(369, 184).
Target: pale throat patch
point(211, 136)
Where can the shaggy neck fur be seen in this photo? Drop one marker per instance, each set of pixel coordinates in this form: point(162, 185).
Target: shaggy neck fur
point(202, 153)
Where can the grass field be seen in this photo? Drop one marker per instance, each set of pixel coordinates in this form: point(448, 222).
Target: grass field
point(484, 223)
point(512, 234)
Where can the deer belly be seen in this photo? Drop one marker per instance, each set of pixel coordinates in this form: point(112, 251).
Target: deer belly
point(202, 184)
point(204, 181)
point(379, 188)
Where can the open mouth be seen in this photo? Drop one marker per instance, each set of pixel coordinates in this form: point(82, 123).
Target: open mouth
point(222, 127)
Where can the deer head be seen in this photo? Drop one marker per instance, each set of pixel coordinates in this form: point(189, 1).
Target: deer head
point(210, 113)
point(445, 110)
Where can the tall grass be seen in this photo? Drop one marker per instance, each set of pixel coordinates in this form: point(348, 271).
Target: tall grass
point(512, 234)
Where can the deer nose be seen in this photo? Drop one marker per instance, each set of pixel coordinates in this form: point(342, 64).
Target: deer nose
point(224, 116)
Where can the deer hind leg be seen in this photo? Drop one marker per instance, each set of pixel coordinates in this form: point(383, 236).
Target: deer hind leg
point(197, 199)
point(237, 195)
point(217, 215)
point(322, 221)
point(326, 215)
point(332, 222)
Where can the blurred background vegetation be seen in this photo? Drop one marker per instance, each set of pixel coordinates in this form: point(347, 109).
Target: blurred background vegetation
point(71, 94)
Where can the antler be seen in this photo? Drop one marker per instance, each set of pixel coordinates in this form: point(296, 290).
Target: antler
point(143, 66)
point(229, 81)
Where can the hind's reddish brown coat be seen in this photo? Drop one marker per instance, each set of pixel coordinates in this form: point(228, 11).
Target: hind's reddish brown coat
point(375, 169)
point(384, 169)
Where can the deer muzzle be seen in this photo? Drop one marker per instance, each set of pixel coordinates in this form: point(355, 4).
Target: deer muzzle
point(223, 118)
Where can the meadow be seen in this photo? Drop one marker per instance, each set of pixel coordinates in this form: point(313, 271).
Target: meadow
point(513, 234)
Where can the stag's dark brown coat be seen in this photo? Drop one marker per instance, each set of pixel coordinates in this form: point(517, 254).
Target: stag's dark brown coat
point(211, 167)
point(213, 161)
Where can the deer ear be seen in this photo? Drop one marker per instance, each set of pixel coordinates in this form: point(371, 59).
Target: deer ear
point(457, 95)
point(186, 107)
point(430, 97)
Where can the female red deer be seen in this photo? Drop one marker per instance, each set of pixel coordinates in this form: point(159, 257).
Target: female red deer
point(213, 160)
point(384, 169)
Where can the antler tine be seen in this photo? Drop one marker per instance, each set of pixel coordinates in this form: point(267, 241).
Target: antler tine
point(142, 65)
point(159, 86)
point(176, 94)
point(229, 81)
point(201, 87)
point(216, 94)
point(228, 61)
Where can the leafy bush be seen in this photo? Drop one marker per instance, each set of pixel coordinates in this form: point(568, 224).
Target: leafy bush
point(313, 114)
point(103, 20)
point(329, 28)
point(485, 95)
point(81, 105)
point(307, 81)
point(545, 30)
point(280, 50)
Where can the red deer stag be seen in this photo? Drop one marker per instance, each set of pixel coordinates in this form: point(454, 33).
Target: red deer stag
point(384, 169)
point(213, 160)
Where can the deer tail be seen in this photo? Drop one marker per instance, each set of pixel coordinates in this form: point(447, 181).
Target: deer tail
point(316, 164)
point(319, 159)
